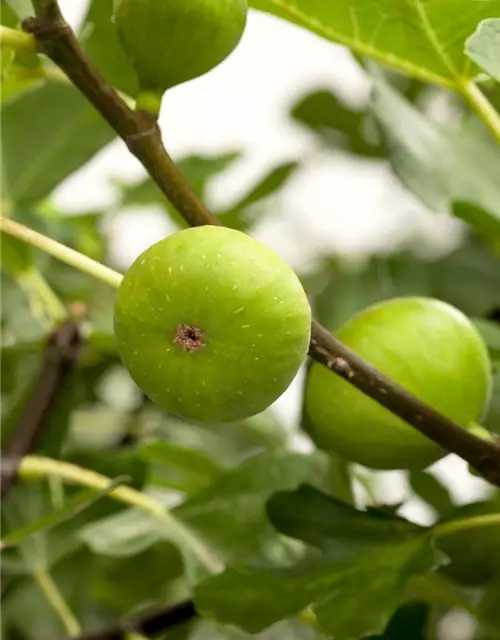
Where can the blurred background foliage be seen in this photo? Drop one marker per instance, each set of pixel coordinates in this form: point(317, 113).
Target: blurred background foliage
point(111, 561)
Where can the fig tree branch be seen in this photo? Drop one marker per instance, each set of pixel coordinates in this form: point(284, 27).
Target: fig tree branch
point(141, 133)
point(60, 358)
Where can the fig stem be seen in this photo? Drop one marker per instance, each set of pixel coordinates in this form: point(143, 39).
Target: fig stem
point(60, 251)
point(17, 40)
point(56, 600)
point(465, 524)
point(142, 135)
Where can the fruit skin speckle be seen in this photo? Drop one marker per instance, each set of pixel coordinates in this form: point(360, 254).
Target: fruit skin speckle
point(245, 360)
point(425, 345)
point(172, 41)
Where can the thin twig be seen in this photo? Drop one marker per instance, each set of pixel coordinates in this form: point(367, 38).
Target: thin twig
point(141, 133)
point(60, 358)
point(57, 601)
point(148, 624)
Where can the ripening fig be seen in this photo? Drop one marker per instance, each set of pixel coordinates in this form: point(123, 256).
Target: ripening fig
point(172, 41)
point(211, 324)
point(425, 345)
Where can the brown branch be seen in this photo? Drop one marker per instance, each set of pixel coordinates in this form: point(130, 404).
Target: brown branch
point(142, 135)
point(148, 624)
point(60, 357)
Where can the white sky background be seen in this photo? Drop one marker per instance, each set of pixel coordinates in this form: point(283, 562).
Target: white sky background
point(335, 202)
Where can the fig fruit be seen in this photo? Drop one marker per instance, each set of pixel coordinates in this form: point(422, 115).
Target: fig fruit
point(211, 324)
point(171, 41)
point(425, 345)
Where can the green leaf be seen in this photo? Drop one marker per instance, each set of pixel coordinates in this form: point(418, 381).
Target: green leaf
point(473, 553)
point(354, 585)
point(48, 132)
point(20, 370)
point(483, 46)
point(123, 534)
point(178, 467)
point(489, 605)
point(469, 278)
point(134, 531)
point(492, 419)
point(483, 223)
point(199, 170)
point(409, 622)
point(230, 514)
point(490, 333)
point(420, 38)
point(284, 630)
point(243, 214)
point(428, 487)
point(438, 165)
point(82, 501)
point(336, 124)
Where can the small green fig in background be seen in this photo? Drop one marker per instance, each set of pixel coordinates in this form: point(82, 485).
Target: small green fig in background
point(211, 324)
point(172, 41)
point(428, 347)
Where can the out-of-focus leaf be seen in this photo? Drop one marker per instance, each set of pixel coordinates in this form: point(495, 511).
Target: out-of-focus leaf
point(438, 165)
point(337, 124)
point(148, 579)
point(485, 225)
point(228, 518)
point(226, 444)
point(177, 467)
point(123, 534)
point(101, 43)
point(48, 133)
point(8, 15)
point(428, 487)
point(350, 291)
point(489, 605)
point(490, 332)
point(113, 464)
point(492, 419)
point(243, 214)
point(474, 552)
point(78, 504)
point(8, 18)
point(483, 46)
point(231, 513)
point(20, 370)
point(22, 8)
point(409, 622)
point(285, 630)
point(420, 38)
point(469, 279)
point(197, 169)
point(133, 531)
point(354, 585)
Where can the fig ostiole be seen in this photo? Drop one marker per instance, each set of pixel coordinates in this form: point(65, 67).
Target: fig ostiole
point(428, 347)
point(211, 324)
point(172, 41)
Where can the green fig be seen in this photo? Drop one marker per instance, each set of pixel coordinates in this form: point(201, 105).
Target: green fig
point(425, 345)
point(172, 41)
point(211, 324)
